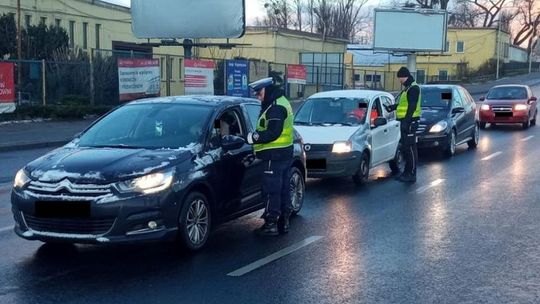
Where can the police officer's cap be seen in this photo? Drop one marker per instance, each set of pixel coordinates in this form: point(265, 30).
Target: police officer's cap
point(262, 83)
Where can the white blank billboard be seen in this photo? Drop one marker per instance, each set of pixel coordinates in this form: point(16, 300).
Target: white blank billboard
point(188, 18)
point(410, 30)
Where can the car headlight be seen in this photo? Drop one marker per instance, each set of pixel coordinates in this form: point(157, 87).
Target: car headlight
point(484, 107)
point(21, 179)
point(521, 107)
point(342, 147)
point(439, 127)
point(147, 184)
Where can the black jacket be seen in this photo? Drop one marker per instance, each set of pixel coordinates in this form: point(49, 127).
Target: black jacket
point(276, 116)
point(413, 96)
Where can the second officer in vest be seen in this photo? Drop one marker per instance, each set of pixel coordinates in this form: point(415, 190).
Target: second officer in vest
point(273, 143)
point(408, 110)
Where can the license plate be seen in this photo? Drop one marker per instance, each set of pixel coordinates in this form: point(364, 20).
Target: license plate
point(316, 164)
point(62, 209)
point(504, 114)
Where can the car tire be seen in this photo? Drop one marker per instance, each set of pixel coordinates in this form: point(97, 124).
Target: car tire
point(450, 150)
point(297, 186)
point(483, 125)
point(194, 220)
point(533, 121)
point(473, 143)
point(396, 165)
point(362, 175)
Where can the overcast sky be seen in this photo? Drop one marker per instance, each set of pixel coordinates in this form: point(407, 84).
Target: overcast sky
point(254, 8)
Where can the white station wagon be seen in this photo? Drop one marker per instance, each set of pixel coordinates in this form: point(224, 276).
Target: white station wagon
point(348, 132)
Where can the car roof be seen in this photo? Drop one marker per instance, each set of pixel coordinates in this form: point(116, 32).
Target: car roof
point(441, 86)
point(511, 86)
point(213, 101)
point(350, 94)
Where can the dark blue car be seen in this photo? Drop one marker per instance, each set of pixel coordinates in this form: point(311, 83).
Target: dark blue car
point(151, 170)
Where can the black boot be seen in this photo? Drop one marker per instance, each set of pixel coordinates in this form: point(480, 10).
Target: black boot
point(283, 223)
point(408, 178)
point(269, 228)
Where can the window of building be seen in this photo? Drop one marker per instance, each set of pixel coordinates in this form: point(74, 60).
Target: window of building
point(71, 34)
point(163, 68)
point(443, 75)
point(98, 29)
point(421, 76)
point(58, 22)
point(460, 47)
point(27, 20)
point(85, 35)
point(447, 47)
point(43, 20)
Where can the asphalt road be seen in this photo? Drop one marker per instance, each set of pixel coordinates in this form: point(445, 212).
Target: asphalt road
point(466, 232)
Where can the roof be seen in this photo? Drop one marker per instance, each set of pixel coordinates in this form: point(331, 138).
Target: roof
point(106, 4)
point(293, 32)
point(367, 57)
point(205, 100)
point(350, 94)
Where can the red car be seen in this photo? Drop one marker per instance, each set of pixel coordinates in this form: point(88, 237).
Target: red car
point(509, 104)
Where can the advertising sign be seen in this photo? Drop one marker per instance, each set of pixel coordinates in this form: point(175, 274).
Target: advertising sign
point(237, 78)
point(138, 78)
point(7, 87)
point(296, 74)
point(199, 76)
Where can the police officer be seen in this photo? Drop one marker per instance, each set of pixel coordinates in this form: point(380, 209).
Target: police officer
point(273, 143)
point(408, 110)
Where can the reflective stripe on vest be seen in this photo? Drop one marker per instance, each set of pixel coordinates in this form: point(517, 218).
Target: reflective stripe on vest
point(404, 103)
point(286, 138)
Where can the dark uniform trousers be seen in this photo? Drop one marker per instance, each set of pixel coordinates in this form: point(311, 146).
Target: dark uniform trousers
point(409, 148)
point(276, 190)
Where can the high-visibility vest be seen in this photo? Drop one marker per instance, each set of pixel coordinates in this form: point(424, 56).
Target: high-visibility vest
point(404, 104)
point(287, 135)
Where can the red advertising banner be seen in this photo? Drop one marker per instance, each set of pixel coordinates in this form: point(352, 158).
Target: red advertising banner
point(138, 78)
point(199, 75)
point(296, 73)
point(7, 82)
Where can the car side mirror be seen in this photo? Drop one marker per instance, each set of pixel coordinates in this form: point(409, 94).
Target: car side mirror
point(379, 121)
point(231, 142)
point(483, 98)
point(532, 99)
point(457, 110)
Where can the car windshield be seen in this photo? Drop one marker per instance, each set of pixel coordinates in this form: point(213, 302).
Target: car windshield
point(436, 97)
point(507, 93)
point(149, 126)
point(332, 111)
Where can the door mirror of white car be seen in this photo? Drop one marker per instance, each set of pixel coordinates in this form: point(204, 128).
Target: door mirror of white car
point(457, 110)
point(379, 121)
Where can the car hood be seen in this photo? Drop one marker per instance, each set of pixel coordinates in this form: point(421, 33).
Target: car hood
point(496, 102)
point(104, 165)
point(431, 115)
point(326, 134)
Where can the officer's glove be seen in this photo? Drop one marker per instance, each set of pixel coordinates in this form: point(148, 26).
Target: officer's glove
point(390, 108)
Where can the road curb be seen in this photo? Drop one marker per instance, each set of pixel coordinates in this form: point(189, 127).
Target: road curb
point(33, 145)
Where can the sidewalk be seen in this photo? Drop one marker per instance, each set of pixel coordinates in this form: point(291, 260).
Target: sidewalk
point(41, 134)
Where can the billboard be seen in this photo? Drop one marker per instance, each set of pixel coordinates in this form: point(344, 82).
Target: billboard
point(410, 30)
point(296, 73)
point(237, 72)
point(188, 18)
point(138, 78)
point(199, 77)
point(7, 87)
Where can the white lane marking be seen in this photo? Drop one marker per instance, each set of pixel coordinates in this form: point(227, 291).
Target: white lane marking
point(492, 155)
point(434, 183)
point(528, 138)
point(5, 229)
point(275, 256)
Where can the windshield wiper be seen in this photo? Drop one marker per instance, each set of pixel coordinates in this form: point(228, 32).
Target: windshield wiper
point(303, 123)
point(122, 146)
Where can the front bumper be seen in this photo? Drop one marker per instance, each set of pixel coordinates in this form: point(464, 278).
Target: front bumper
point(507, 117)
point(429, 141)
point(125, 220)
point(328, 164)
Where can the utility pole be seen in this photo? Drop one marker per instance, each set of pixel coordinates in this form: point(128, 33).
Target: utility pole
point(498, 47)
point(19, 49)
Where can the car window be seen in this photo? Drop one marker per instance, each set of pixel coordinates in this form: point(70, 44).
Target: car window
point(436, 97)
point(389, 115)
point(507, 93)
point(253, 112)
point(336, 110)
point(151, 126)
point(228, 123)
point(457, 99)
point(376, 110)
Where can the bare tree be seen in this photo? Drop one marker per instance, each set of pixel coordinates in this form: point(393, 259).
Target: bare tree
point(299, 9)
point(528, 19)
point(339, 18)
point(489, 10)
point(464, 15)
point(432, 3)
point(278, 13)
